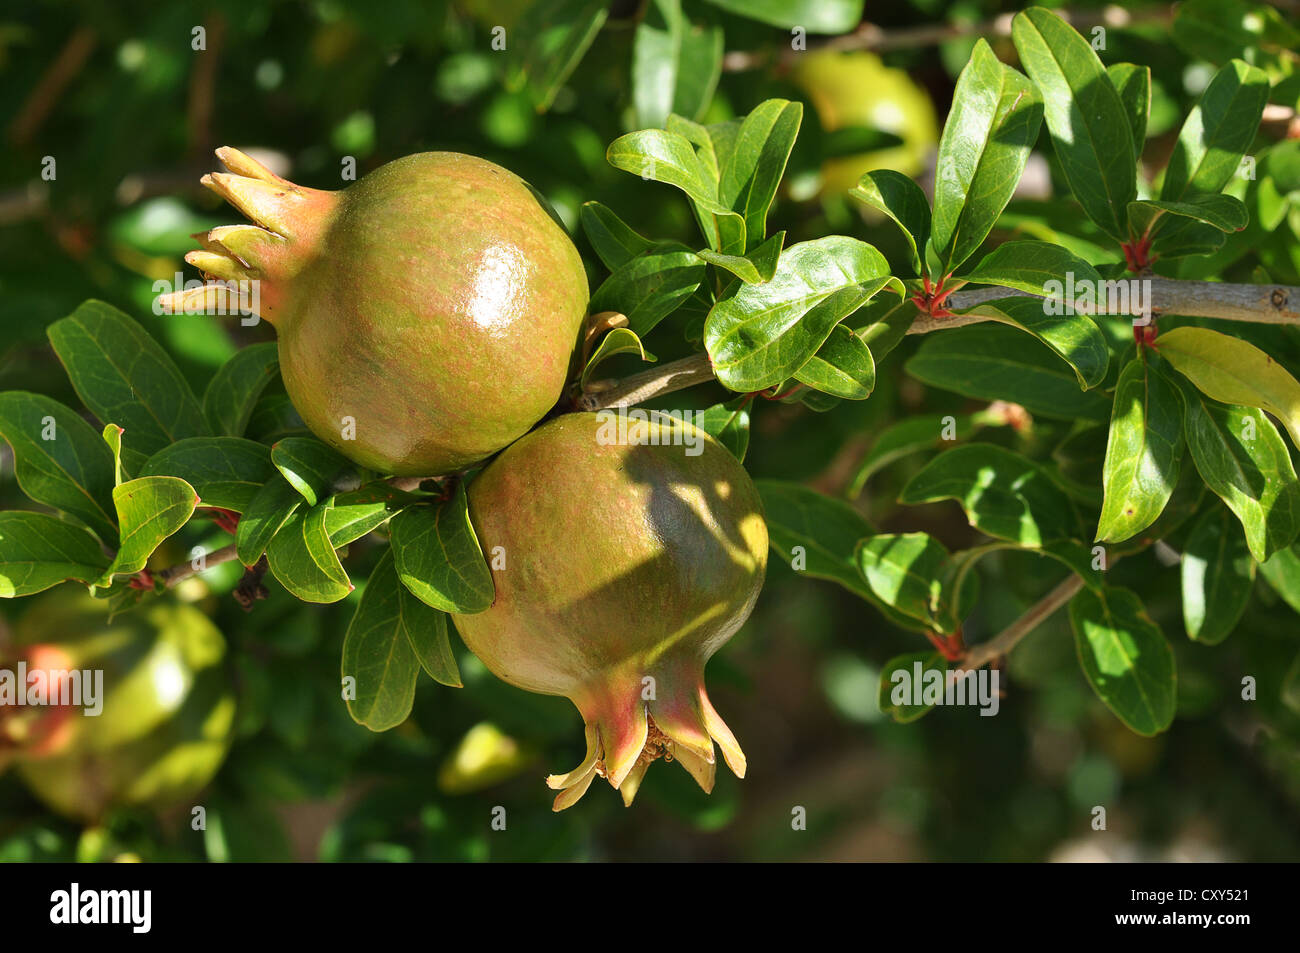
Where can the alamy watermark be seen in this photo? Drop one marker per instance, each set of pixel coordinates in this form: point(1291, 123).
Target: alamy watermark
point(82, 688)
point(933, 686)
point(657, 428)
point(1131, 296)
point(221, 297)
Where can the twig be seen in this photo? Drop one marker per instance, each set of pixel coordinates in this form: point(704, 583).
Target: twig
point(184, 570)
point(676, 375)
point(70, 61)
point(984, 652)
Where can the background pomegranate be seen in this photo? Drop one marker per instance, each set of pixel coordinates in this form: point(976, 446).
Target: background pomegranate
point(435, 303)
point(627, 567)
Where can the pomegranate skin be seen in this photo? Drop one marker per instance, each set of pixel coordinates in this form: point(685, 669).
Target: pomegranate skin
point(426, 315)
point(627, 565)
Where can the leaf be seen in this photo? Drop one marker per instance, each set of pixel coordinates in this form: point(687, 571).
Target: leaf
point(304, 561)
point(728, 423)
point(650, 286)
point(268, 510)
point(887, 322)
point(1243, 460)
point(1216, 30)
point(617, 341)
point(39, 551)
point(1091, 130)
point(1074, 338)
point(993, 124)
point(1222, 212)
point(71, 471)
point(352, 515)
point(815, 16)
point(1133, 84)
point(310, 466)
point(842, 367)
point(990, 362)
point(757, 163)
point(1037, 267)
point(125, 377)
point(675, 65)
point(438, 556)
point(906, 437)
point(1282, 570)
point(903, 201)
point(908, 572)
point(113, 438)
point(898, 680)
point(1005, 495)
point(1228, 369)
point(1143, 451)
point(762, 334)
point(614, 242)
point(556, 35)
point(1218, 575)
point(149, 509)
point(827, 530)
point(1217, 132)
point(378, 654)
point(756, 267)
point(226, 472)
point(1183, 238)
point(234, 390)
point(667, 157)
point(1125, 658)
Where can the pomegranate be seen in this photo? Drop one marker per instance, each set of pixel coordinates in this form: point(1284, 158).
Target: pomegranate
point(630, 558)
point(426, 315)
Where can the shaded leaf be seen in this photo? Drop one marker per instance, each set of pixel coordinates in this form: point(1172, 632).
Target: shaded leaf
point(304, 560)
point(842, 367)
point(438, 556)
point(234, 390)
point(226, 472)
point(1218, 575)
point(39, 551)
point(310, 466)
point(903, 201)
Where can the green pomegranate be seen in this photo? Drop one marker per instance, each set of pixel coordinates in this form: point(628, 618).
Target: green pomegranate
point(634, 549)
point(426, 315)
point(166, 713)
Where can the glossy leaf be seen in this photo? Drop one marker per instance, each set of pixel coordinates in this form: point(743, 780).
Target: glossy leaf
point(842, 367)
point(149, 509)
point(754, 268)
point(304, 560)
point(898, 197)
point(1074, 338)
point(728, 423)
point(59, 460)
point(310, 466)
point(1092, 132)
point(757, 163)
point(125, 377)
point(378, 654)
point(907, 571)
point(815, 16)
point(1143, 452)
point(617, 341)
point(650, 286)
point(1217, 132)
point(614, 242)
point(352, 515)
point(38, 551)
point(1222, 212)
point(267, 511)
point(439, 558)
point(234, 390)
point(1218, 575)
point(226, 472)
point(1282, 570)
point(1133, 84)
point(1039, 268)
point(675, 64)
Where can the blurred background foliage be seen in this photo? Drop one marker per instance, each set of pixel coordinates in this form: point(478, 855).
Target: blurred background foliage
point(129, 112)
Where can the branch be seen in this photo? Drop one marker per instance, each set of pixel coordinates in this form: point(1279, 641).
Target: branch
point(1259, 304)
point(1005, 641)
point(184, 570)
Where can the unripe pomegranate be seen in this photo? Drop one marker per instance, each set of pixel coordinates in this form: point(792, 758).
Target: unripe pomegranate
point(426, 315)
point(628, 563)
point(165, 709)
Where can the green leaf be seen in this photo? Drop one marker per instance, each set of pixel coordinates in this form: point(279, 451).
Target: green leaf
point(1217, 574)
point(817, 530)
point(617, 341)
point(125, 377)
point(1181, 239)
point(1243, 460)
point(759, 335)
point(268, 510)
point(304, 560)
point(1133, 84)
point(728, 423)
point(908, 572)
point(756, 267)
point(149, 509)
point(1222, 212)
point(897, 678)
point(439, 558)
point(902, 200)
point(39, 551)
point(883, 324)
point(1217, 30)
point(555, 35)
point(378, 653)
point(1037, 267)
point(993, 124)
point(1217, 133)
point(226, 472)
point(113, 438)
point(1143, 451)
point(234, 390)
point(1074, 338)
point(59, 460)
point(990, 362)
point(1228, 369)
point(614, 242)
point(907, 437)
point(352, 515)
point(675, 65)
point(1091, 130)
point(815, 16)
point(1125, 658)
point(1282, 570)
point(650, 286)
point(667, 157)
point(310, 466)
point(842, 367)
point(757, 163)
point(1005, 495)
